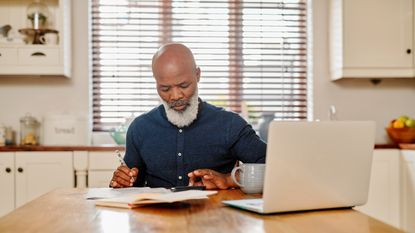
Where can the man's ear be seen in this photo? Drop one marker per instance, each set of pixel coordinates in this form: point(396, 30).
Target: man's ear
point(198, 73)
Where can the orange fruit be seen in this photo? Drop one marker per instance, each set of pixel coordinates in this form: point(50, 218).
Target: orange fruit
point(398, 124)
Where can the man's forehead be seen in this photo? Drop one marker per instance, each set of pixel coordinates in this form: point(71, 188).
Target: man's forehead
point(172, 81)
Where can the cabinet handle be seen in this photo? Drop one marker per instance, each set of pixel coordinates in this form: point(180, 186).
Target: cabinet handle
point(408, 51)
point(20, 169)
point(0, 54)
point(37, 54)
point(8, 170)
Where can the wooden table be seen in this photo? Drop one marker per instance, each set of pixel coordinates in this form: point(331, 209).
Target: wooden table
point(66, 210)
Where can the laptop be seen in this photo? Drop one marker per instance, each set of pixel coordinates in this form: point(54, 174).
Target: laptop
point(314, 165)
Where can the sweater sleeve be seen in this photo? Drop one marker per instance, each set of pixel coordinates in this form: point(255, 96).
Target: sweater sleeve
point(246, 144)
point(132, 154)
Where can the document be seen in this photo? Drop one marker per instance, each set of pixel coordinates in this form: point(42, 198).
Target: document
point(101, 193)
point(137, 200)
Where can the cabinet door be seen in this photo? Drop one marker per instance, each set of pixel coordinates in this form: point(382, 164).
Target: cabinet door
point(40, 172)
point(378, 33)
point(408, 190)
point(102, 164)
point(99, 179)
point(383, 201)
point(6, 182)
point(8, 56)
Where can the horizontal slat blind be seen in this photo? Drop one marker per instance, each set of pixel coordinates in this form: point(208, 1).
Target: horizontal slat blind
point(251, 52)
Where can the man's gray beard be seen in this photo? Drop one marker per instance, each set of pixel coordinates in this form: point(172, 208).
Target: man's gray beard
point(186, 117)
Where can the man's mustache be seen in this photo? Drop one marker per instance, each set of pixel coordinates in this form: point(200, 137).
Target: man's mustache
point(178, 103)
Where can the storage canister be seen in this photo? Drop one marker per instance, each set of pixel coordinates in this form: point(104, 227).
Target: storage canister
point(29, 130)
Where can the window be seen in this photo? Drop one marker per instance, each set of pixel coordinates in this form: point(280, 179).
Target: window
point(252, 54)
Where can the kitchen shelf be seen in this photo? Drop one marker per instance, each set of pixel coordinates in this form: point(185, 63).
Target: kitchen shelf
point(25, 55)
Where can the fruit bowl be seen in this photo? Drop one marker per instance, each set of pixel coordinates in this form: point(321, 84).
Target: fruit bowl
point(119, 137)
point(401, 135)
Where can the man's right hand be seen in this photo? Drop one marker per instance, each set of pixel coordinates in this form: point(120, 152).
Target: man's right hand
point(124, 177)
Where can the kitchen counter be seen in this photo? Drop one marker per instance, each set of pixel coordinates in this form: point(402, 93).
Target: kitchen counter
point(62, 148)
point(386, 146)
point(114, 147)
point(407, 146)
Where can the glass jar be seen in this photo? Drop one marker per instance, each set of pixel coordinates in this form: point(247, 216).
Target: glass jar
point(29, 130)
point(38, 15)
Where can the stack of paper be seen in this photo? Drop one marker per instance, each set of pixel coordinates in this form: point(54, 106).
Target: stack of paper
point(137, 200)
point(100, 193)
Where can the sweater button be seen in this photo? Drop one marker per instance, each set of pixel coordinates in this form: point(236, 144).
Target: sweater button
point(180, 177)
point(180, 130)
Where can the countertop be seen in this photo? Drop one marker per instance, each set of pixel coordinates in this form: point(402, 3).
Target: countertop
point(114, 147)
point(62, 148)
point(407, 146)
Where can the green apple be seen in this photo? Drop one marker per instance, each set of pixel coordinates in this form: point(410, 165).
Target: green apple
point(410, 123)
point(403, 118)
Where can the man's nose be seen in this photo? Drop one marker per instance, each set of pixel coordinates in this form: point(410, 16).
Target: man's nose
point(176, 94)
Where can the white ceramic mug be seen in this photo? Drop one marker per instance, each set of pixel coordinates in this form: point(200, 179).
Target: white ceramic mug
point(251, 177)
point(49, 38)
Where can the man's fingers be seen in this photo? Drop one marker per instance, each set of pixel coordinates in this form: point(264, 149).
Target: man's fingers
point(194, 179)
point(134, 172)
point(121, 174)
point(122, 182)
point(202, 172)
point(114, 184)
point(191, 178)
point(124, 169)
point(208, 177)
point(124, 177)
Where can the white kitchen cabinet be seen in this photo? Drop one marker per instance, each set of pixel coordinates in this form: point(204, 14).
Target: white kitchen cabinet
point(408, 191)
point(7, 172)
point(371, 38)
point(384, 192)
point(41, 172)
point(22, 59)
point(101, 166)
point(32, 175)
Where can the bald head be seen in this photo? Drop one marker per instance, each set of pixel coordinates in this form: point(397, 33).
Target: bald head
point(173, 57)
point(176, 74)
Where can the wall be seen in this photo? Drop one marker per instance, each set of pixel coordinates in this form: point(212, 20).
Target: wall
point(354, 99)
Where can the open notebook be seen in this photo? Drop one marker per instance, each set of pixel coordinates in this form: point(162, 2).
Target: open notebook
point(315, 165)
point(140, 199)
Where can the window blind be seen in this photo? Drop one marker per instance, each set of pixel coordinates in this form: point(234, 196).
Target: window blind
point(252, 55)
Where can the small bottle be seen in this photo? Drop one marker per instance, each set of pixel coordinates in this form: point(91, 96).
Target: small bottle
point(2, 135)
point(29, 130)
point(10, 139)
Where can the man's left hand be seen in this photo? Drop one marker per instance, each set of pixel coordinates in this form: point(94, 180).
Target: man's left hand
point(211, 179)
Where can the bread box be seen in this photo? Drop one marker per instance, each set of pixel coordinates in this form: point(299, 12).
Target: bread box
point(65, 130)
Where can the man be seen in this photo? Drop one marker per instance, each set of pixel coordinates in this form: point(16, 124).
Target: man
point(185, 141)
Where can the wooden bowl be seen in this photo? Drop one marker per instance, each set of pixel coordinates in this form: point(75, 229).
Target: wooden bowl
point(403, 135)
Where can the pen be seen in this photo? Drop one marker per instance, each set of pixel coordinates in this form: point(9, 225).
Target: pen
point(117, 152)
point(185, 188)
